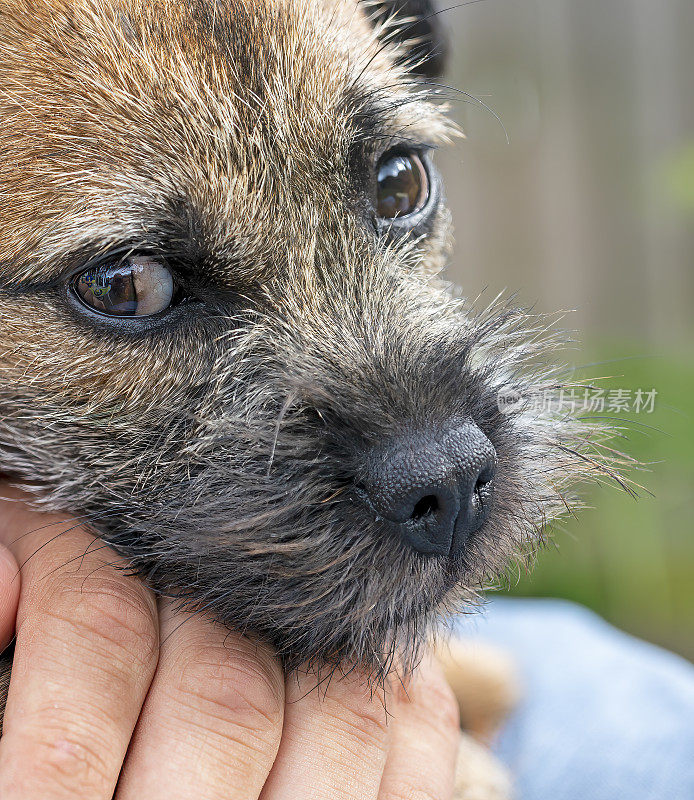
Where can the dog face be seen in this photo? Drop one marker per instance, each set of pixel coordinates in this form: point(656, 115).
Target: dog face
point(223, 342)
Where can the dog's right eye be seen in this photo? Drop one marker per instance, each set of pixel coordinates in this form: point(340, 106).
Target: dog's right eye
point(136, 287)
point(402, 185)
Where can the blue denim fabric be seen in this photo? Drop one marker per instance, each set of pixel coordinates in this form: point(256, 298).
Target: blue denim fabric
point(605, 715)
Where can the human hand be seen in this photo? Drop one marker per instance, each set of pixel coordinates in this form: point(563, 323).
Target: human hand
point(114, 693)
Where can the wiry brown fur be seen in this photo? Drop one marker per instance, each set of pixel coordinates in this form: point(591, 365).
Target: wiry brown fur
point(220, 450)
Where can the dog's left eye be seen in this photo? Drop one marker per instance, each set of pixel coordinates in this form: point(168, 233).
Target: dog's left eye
point(136, 287)
point(402, 185)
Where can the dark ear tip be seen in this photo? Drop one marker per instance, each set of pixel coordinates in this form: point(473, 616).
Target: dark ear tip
point(420, 29)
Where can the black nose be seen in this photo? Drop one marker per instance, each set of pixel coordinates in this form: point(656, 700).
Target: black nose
point(435, 489)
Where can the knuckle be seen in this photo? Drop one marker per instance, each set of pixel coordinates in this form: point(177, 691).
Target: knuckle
point(360, 715)
point(112, 612)
point(67, 764)
point(235, 680)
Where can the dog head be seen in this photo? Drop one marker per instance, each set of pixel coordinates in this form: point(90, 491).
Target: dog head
point(223, 340)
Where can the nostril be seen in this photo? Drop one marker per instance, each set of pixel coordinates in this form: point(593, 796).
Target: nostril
point(482, 482)
point(425, 507)
point(486, 475)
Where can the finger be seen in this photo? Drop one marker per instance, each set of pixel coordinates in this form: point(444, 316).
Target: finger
point(334, 741)
point(212, 721)
point(86, 649)
point(9, 596)
point(425, 739)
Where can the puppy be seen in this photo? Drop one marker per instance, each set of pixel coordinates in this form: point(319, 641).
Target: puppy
point(224, 341)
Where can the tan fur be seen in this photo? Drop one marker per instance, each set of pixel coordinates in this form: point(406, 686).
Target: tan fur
point(485, 683)
point(487, 688)
point(480, 776)
point(82, 162)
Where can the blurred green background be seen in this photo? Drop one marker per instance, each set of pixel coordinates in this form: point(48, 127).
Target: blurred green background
point(590, 206)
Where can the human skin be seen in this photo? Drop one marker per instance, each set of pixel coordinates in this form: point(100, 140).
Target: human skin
point(117, 694)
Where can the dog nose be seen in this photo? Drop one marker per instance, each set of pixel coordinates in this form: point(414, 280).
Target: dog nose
point(436, 489)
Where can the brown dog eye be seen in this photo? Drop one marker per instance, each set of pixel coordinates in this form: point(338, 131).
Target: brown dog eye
point(402, 185)
point(138, 287)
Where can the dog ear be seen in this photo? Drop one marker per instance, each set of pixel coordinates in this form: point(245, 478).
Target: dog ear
point(416, 26)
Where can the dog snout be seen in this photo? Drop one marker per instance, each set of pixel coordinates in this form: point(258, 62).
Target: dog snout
point(435, 488)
